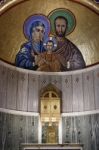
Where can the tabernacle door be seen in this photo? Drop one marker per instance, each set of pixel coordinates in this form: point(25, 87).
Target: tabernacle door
point(51, 135)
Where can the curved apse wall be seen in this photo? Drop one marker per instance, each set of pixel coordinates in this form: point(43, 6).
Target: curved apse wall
point(19, 106)
point(20, 89)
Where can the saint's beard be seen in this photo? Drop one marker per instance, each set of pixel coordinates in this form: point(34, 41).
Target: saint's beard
point(62, 34)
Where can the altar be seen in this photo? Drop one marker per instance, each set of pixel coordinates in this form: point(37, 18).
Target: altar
point(31, 146)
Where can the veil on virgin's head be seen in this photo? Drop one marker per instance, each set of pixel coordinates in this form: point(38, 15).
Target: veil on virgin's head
point(34, 25)
point(34, 21)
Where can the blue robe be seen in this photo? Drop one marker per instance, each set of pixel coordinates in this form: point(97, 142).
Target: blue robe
point(24, 58)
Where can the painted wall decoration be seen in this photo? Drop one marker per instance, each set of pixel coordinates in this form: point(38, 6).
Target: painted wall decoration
point(60, 53)
point(52, 38)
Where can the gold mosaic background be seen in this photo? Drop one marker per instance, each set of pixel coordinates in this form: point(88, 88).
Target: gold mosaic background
point(85, 36)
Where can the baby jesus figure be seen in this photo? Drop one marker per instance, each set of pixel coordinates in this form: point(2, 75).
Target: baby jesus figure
point(48, 60)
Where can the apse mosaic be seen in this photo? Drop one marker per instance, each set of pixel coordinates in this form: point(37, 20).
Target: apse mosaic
point(51, 40)
point(47, 48)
